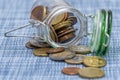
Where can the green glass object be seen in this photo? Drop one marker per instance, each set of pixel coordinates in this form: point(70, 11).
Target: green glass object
point(101, 32)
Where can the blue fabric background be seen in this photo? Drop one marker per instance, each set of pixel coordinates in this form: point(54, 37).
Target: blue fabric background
point(19, 63)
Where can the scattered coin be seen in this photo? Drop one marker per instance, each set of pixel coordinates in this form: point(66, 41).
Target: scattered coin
point(59, 18)
point(56, 50)
point(62, 55)
point(66, 37)
point(80, 49)
point(41, 52)
point(28, 45)
point(39, 13)
point(94, 61)
point(78, 59)
point(70, 70)
point(36, 43)
point(91, 72)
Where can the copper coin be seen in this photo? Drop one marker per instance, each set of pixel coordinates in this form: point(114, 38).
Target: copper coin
point(56, 50)
point(72, 19)
point(66, 37)
point(67, 32)
point(29, 45)
point(39, 13)
point(70, 70)
point(64, 30)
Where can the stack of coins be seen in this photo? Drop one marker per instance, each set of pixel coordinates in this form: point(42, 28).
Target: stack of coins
point(61, 30)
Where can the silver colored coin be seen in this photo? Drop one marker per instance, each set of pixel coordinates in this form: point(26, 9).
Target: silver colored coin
point(78, 59)
point(80, 49)
point(62, 55)
point(37, 43)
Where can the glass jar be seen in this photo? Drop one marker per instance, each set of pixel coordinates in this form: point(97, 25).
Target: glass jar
point(52, 19)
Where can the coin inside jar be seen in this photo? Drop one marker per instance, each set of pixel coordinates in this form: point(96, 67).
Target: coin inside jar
point(59, 18)
point(67, 32)
point(56, 50)
point(66, 37)
point(70, 70)
point(64, 30)
point(94, 61)
point(39, 13)
point(72, 19)
point(91, 72)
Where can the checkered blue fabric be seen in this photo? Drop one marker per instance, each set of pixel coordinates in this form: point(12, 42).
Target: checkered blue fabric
point(19, 63)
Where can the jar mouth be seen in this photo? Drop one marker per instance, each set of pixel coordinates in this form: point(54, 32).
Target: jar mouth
point(80, 26)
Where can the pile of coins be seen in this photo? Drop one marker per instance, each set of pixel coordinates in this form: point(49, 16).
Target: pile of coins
point(62, 30)
point(74, 55)
point(61, 27)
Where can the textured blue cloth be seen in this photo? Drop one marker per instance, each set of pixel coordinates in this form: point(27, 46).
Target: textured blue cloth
point(19, 63)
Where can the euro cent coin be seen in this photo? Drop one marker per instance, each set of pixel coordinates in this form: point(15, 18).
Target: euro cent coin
point(91, 72)
point(70, 70)
point(94, 61)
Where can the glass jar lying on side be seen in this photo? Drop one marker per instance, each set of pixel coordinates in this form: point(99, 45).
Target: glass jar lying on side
point(59, 24)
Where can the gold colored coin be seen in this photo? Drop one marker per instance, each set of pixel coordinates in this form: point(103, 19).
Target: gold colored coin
point(78, 59)
point(91, 72)
point(63, 24)
point(94, 61)
point(52, 35)
point(41, 52)
point(59, 18)
point(55, 34)
point(80, 49)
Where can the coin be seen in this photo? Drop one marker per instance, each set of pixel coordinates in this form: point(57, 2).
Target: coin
point(28, 45)
point(55, 34)
point(64, 30)
point(66, 37)
point(63, 24)
point(56, 50)
point(70, 70)
point(41, 52)
point(94, 61)
point(80, 49)
point(72, 19)
point(91, 72)
point(39, 13)
point(59, 18)
point(36, 43)
point(53, 37)
point(62, 55)
point(78, 59)
point(67, 32)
